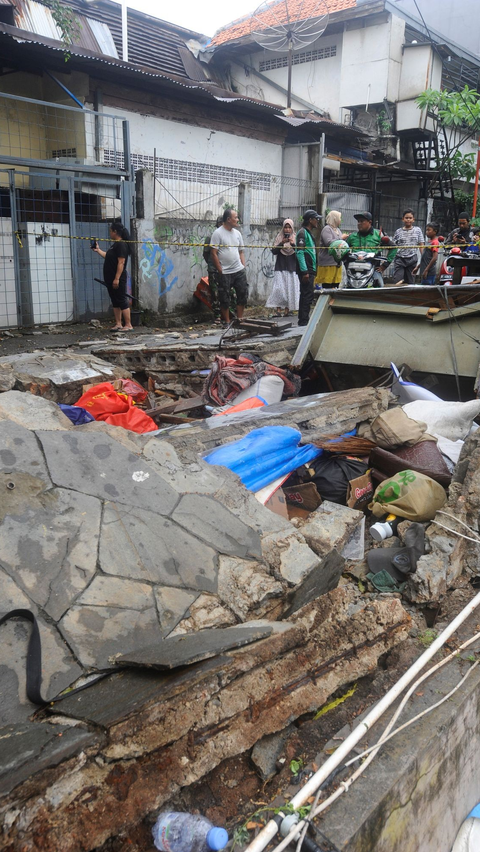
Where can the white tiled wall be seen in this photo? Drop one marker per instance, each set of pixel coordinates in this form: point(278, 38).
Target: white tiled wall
point(8, 299)
point(51, 272)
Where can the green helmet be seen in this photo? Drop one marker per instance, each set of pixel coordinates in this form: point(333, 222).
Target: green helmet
point(338, 249)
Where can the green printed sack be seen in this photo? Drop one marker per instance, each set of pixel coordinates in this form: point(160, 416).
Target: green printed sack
point(409, 495)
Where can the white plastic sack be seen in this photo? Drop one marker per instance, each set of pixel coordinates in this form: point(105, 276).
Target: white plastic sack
point(269, 388)
point(451, 449)
point(453, 420)
point(468, 838)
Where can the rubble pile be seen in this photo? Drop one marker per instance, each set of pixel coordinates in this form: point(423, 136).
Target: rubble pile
point(55, 375)
point(182, 617)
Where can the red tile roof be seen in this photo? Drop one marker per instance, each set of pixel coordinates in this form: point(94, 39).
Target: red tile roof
point(301, 8)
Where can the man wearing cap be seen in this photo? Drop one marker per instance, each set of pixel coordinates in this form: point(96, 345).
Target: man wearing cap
point(367, 237)
point(306, 263)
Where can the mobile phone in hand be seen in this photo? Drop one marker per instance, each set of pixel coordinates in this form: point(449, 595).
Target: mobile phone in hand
point(93, 244)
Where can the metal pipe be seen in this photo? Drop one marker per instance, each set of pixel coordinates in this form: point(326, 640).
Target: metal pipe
point(124, 31)
point(269, 831)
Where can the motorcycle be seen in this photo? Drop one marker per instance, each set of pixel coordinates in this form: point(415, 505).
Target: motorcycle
point(362, 269)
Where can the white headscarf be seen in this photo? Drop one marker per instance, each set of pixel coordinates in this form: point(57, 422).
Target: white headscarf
point(334, 218)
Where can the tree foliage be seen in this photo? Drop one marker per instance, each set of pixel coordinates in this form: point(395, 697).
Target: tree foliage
point(66, 21)
point(453, 109)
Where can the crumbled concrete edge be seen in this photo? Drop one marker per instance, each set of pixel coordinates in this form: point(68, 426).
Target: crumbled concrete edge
point(141, 761)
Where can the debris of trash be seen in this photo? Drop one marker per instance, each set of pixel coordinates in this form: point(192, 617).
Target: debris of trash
point(180, 832)
point(76, 414)
point(395, 563)
point(453, 420)
point(380, 531)
point(264, 455)
point(104, 403)
point(410, 495)
point(228, 377)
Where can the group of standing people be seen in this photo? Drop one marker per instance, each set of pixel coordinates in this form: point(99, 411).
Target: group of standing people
point(299, 263)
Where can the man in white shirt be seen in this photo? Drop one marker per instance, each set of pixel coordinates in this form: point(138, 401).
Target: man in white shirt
point(227, 255)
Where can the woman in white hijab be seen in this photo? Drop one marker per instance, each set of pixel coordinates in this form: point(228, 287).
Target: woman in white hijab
point(329, 272)
point(286, 289)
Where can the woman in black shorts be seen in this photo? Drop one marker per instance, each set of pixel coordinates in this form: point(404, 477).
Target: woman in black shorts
point(115, 275)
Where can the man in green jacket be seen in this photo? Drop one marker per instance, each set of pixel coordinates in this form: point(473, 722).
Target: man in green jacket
point(306, 263)
point(367, 238)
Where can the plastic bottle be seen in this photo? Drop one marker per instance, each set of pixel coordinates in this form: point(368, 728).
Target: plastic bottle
point(180, 832)
point(468, 838)
point(385, 529)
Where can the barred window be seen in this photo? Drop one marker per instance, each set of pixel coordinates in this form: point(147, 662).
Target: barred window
point(298, 58)
point(64, 152)
point(207, 173)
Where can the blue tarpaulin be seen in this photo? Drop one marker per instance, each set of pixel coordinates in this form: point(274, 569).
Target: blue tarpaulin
point(264, 455)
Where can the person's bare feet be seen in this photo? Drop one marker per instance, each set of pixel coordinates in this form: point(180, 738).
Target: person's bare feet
point(127, 328)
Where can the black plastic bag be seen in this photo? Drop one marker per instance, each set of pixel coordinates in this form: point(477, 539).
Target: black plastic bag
point(333, 473)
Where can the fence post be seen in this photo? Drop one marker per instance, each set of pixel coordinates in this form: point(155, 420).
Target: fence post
point(245, 206)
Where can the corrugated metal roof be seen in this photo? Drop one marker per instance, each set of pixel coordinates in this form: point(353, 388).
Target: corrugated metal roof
point(128, 69)
point(152, 43)
point(34, 17)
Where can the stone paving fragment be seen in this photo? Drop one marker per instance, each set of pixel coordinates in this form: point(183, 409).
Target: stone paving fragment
point(331, 527)
point(195, 478)
point(172, 606)
point(50, 547)
point(183, 650)
point(59, 669)
point(215, 525)
point(33, 412)
point(20, 452)
point(144, 546)
point(38, 747)
point(97, 633)
point(103, 468)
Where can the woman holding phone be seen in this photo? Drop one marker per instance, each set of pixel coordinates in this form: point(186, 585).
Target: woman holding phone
point(115, 275)
point(286, 290)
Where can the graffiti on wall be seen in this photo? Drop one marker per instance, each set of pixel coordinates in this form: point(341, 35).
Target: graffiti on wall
point(155, 265)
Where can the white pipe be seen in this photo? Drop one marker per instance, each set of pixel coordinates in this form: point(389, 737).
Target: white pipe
point(124, 31)
point(269, 831)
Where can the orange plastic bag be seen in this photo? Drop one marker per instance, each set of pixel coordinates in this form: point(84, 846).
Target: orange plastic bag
point(252, 402)
point(105, 404)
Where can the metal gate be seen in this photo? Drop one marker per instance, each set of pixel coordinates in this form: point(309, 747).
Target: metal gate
point(47, 267)
point(348, 200)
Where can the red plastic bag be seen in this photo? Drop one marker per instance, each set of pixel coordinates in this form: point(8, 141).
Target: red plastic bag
point(105, 404)
point(134, 390)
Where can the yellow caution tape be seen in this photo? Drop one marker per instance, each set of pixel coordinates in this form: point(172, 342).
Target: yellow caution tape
point(170, 243)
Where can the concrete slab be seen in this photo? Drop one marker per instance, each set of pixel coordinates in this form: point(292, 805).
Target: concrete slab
point(58, 375)
point(183, 650)
point(36, 746)
point(20, 452)
point(49, 546)
point(33, 412)
point(97, 633)
point(101, 467)
point(143, 546)
point(215, 525)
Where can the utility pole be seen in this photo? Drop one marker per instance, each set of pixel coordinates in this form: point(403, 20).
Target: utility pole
point(124, 31)
point(475, 191)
